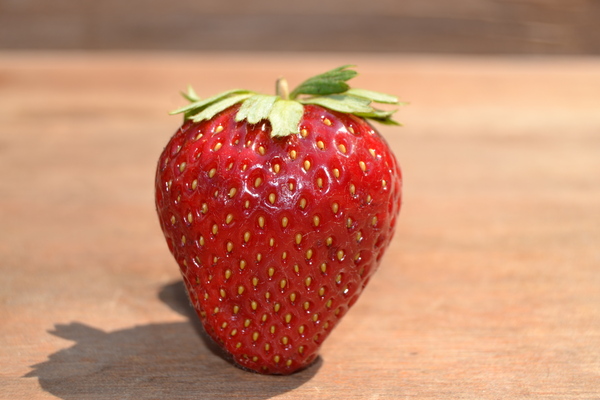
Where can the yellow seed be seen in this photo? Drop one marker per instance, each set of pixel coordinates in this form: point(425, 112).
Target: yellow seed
point(306, 305)
point(309, 254)
point(229, 247)
point(335, 207)
point(255, 358)
point(304, 133)
point(276, 359)
point(258, 182)
point(267, 295)
point(358, 236)
point(219, 129)
point(284, 255)
point(308, 281)
point(329, 241)
point(264, 317)
point(222, 293)
point(301, 349)
point(327, 122)
point(306, 165)
point(369, 198)
point(215, 229)
point(236, 309)
point(298, 238)
point(272, 198)
point(340, 254)
point(224, 325)
point(255, 336)
point(218, 145)
point(383, 183)
point(276, 307)
point(284, 222)
point(328, 304)
point(336, 172)
point(320, 144)
point(296, 268)
point(316, 220)
point(255, 281)
point(362, 165)
point(315, 317)
point(288, 318)
point(326, 325)
point(212, 172)
point(271, 271)
point(342, 148)
point(183, 240)
point(352, 189)
point(321, 291)
point(261, 150)
point(293, 154)
point(323, 267)
point(199, 135)
point(267, 347)
point(338, 279)
point(349, 222)
point(374, 221)
point(254, 305)
point(201, 240)
point(247, 204)
point(204, 209)
point(283, 283)
point(182, 166)
point(284, 340)
point(293, 297)
point(357, 256)
point(372, 151)
point(302, 203)
point(233, 332)
point(350, 129)
point(216, 310)
point(288, 362)
point(291, 186)
point(301, 329)
point(232, 192)
point(246, 236)
point(173, 219)
point(276, 168)
point(238, 345)
point(190, 217)
point(258, 256)
point(261, 221)
point(272, 329)
point(240, 289)
point(229, 218)
point(242, 264)
point(247, 323)
point(195, 184)
point(227, 274)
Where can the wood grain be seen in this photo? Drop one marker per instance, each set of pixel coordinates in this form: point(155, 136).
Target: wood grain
point(490, 290)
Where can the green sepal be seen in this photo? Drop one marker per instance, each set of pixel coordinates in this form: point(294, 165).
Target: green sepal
point(217, 107)
point(190, 95)
point(376, 97)
point(256, 108)
point(330, 82)
point(285, 117)
point(342, 103)
point(198, 105)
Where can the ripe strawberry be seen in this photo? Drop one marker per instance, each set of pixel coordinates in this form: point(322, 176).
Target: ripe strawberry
point(278, 210)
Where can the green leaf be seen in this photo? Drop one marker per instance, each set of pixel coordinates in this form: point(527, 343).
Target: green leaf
point(256, 108)
point(377, 97)
point(217, 107)
point(190, 95)
point(342, 103)
point(200, 104)
point(285, 117)
point(330, 82)
point(383, 117)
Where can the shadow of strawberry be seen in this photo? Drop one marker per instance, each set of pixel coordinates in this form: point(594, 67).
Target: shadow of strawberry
point(155, 361)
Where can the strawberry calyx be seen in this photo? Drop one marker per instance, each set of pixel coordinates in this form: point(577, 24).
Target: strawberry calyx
point(285, 109)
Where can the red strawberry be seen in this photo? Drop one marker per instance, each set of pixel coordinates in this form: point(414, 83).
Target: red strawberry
point(278, 210)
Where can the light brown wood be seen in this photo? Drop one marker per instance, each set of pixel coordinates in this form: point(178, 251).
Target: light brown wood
point(490, 290)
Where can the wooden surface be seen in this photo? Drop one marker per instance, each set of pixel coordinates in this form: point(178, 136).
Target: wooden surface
point(490, 290)
point(458, 26)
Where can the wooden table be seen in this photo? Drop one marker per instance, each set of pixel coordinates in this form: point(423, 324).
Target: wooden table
point(490, 290)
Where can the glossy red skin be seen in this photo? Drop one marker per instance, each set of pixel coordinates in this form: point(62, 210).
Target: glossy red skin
point(238, 162)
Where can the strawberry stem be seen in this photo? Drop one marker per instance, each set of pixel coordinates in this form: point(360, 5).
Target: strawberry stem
point(281, 89)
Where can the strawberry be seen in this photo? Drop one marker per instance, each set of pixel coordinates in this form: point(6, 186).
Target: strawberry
point(278, 210)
